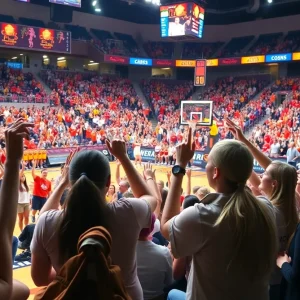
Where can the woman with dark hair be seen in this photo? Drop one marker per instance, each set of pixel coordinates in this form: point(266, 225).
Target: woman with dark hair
point(23, 202)
point(57, 231)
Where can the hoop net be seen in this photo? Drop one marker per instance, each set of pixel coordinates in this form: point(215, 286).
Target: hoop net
point(193, 125)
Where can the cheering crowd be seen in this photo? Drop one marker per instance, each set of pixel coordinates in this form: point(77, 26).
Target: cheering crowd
point(245, 211)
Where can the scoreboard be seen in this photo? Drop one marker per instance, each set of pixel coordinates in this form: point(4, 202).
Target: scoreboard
point(182, 19)
point(200, 73)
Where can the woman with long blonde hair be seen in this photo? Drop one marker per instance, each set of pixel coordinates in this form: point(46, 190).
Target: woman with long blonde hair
point(278, 184)
point(231, 235)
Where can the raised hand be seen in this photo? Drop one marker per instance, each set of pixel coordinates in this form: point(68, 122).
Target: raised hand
point(189, 173)
point(14, 139)
point(148, 172)
point(65, 172)
point(185, 151)
point(235, 130)
point(117, 148)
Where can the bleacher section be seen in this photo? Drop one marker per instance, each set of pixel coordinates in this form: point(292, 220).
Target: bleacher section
point(266, 43)
point(159, 49)
point(32, 22)
point(78, 32)
point(199, 50)
point(235, 46)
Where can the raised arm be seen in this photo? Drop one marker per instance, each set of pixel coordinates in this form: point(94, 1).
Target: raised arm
point(188, 182)
point(137, 183)
point(53, 200)
point(8, 204)
point(262, 159)
point(33, 169)
point(118, 177)
point(150, 178)
point(184, 154)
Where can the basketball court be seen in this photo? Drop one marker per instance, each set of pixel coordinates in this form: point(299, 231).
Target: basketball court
point(22, 270)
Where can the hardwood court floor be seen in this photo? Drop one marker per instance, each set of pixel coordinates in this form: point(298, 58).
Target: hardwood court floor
point(23, 274)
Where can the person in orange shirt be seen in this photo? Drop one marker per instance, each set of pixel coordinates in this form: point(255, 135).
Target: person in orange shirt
point(41, 190)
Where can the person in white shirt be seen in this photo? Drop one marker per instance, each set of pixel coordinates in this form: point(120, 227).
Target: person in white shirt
point(154, 264)
point(23, 202)
point(274, 150)
point(231, 219)
point(175, 28)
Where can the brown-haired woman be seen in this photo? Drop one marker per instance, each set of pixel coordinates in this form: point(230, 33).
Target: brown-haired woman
point(23, 201)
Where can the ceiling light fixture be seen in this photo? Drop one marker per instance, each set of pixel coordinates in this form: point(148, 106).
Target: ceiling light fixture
point(94, 3)
point(97, 9)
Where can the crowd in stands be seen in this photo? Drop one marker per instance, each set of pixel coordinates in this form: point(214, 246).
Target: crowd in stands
point(144, 217)
point(15, 84)
point(282, 125)
point(200, 50)
point(162, 50)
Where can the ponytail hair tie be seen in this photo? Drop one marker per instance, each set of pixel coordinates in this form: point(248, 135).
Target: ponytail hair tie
point(83, 174)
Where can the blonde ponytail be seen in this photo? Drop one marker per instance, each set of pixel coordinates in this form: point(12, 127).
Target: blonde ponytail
point(251, 220)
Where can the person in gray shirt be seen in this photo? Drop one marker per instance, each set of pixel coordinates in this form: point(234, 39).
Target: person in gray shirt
point(292, 154)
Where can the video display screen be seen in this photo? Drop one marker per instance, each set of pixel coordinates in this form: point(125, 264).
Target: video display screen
point(182, 19)
point(75, 3)
point(34, 38)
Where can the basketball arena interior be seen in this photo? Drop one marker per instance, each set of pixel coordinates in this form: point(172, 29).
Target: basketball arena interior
point(162, 136)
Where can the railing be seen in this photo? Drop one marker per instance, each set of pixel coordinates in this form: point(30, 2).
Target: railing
point(24, 99)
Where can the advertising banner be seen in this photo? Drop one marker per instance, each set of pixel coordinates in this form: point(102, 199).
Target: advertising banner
point(140, 61)
point(200, 159)
point(58, 156)
point(212, 62)
point(147, 154)
point(34, 38)
point(163, 63)
point(273, 58)
point(186, 63)
point(253, 59)
point(116, 59)
point(229, 61)
point(296, 56)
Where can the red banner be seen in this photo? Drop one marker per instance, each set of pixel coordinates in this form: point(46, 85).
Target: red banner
point(116, 59)
point(163, 63)
point(229, 61)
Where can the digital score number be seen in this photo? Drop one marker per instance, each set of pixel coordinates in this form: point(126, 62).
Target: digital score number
point(200, 73)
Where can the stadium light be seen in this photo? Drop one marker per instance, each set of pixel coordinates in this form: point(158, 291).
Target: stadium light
point(155, 2)
point(94, 3)
point(270, 1)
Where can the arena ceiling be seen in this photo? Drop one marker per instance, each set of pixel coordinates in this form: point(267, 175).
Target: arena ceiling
point(218, 11)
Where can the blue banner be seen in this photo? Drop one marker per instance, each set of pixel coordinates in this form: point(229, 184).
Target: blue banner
point(14, 65)
point(140, 61)
point(278, 57)
point(147, 154)
point(199, 159)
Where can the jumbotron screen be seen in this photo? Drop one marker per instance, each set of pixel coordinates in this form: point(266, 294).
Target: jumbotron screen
point(75, 3)
point(182, 19)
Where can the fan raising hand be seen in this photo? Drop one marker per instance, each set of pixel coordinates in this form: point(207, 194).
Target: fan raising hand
point(185, 151)
point(14, 139)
